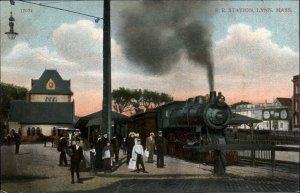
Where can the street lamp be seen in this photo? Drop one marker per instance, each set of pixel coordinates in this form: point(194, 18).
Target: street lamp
point(11, 34)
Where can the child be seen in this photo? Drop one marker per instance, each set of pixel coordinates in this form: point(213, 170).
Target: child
point(107, 154)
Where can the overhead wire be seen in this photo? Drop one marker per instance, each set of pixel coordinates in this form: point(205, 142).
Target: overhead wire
point(42, 4)
point(79, 13)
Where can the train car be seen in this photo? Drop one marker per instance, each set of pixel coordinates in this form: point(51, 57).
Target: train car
point(199, 120)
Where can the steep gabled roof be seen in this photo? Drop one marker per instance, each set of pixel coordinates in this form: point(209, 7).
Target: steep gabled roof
point(61, 86)
point(41, 113)
point(286, 102)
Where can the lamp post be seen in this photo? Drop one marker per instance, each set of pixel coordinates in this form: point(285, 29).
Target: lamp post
point(11, 34)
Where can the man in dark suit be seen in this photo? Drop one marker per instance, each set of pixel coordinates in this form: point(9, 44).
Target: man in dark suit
point(129, 144)
point(116, 148)
point(63, 144)
point(76, 157)
point(98, 148)
point(160, 147)
point(17, 141)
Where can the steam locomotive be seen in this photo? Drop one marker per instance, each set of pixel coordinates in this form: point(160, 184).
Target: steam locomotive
point(210, 113)
point(198, 121)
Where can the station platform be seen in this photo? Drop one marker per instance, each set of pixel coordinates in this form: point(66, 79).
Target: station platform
point(36, 169)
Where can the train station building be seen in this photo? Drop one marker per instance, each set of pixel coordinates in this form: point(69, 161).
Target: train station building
point(49, 105)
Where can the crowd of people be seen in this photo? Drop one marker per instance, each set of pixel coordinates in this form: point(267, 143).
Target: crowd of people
point(135, 150)
point(103, 154)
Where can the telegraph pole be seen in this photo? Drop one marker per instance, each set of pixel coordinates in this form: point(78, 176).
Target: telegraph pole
point(106, 106)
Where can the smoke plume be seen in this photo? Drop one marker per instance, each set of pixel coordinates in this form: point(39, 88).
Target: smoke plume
point(154, 34)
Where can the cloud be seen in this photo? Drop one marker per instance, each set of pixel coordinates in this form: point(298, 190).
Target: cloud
point(253, 67)
point(82, 42)
point(79, 42)
point(252, 51)
point(248, 66)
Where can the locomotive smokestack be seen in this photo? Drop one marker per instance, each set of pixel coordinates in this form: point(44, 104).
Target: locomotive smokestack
point(212, 96)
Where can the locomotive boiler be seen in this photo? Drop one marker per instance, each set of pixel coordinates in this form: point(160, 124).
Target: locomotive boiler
point(210, 112)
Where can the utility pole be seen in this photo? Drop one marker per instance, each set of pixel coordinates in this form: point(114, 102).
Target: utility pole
point(106, 106)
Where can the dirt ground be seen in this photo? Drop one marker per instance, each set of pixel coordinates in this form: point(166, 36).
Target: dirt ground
point(36, 169)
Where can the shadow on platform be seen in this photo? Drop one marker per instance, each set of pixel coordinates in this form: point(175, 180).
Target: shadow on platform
point(21, 178)
point(249, 184)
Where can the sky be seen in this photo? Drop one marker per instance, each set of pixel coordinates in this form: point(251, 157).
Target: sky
point(255, 54)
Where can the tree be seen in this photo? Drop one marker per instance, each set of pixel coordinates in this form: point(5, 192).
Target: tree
point(9, 92)
point(122, 100)
point(152, 99)
point(136, 100)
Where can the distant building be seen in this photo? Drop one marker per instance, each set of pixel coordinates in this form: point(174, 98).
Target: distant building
point(296, 103)
point(90, 124)
point(275, 116)
point(253, 111)
point(48, 106)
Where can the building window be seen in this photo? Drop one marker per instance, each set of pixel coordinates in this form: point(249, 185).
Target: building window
point(281, 125)
point(295, 120)
point(297, 89)
point(296, 105)
point(33, 131)
point(38, 131)
point(28, 131)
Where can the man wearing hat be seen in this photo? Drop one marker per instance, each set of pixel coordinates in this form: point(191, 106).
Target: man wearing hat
point(130, 144)
point(99, 148)
point(160, 146)
point(150, 145)
point(62, 146)
point(76, 157)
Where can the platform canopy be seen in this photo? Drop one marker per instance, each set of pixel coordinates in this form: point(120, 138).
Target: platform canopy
point(238, 119)
point(94, 120)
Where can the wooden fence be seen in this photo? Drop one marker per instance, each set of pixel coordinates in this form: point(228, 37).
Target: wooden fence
point(267, 155)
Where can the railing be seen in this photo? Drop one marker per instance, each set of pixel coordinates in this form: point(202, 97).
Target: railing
point(278, 137)
point(261, 156)
point(285, 133)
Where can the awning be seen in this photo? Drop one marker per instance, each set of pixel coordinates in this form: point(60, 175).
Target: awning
point(238, 119)
point(94, 122)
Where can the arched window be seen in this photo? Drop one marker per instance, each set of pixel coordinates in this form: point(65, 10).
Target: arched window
point(33, 131)
point(28, 131)
point(38, 131)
